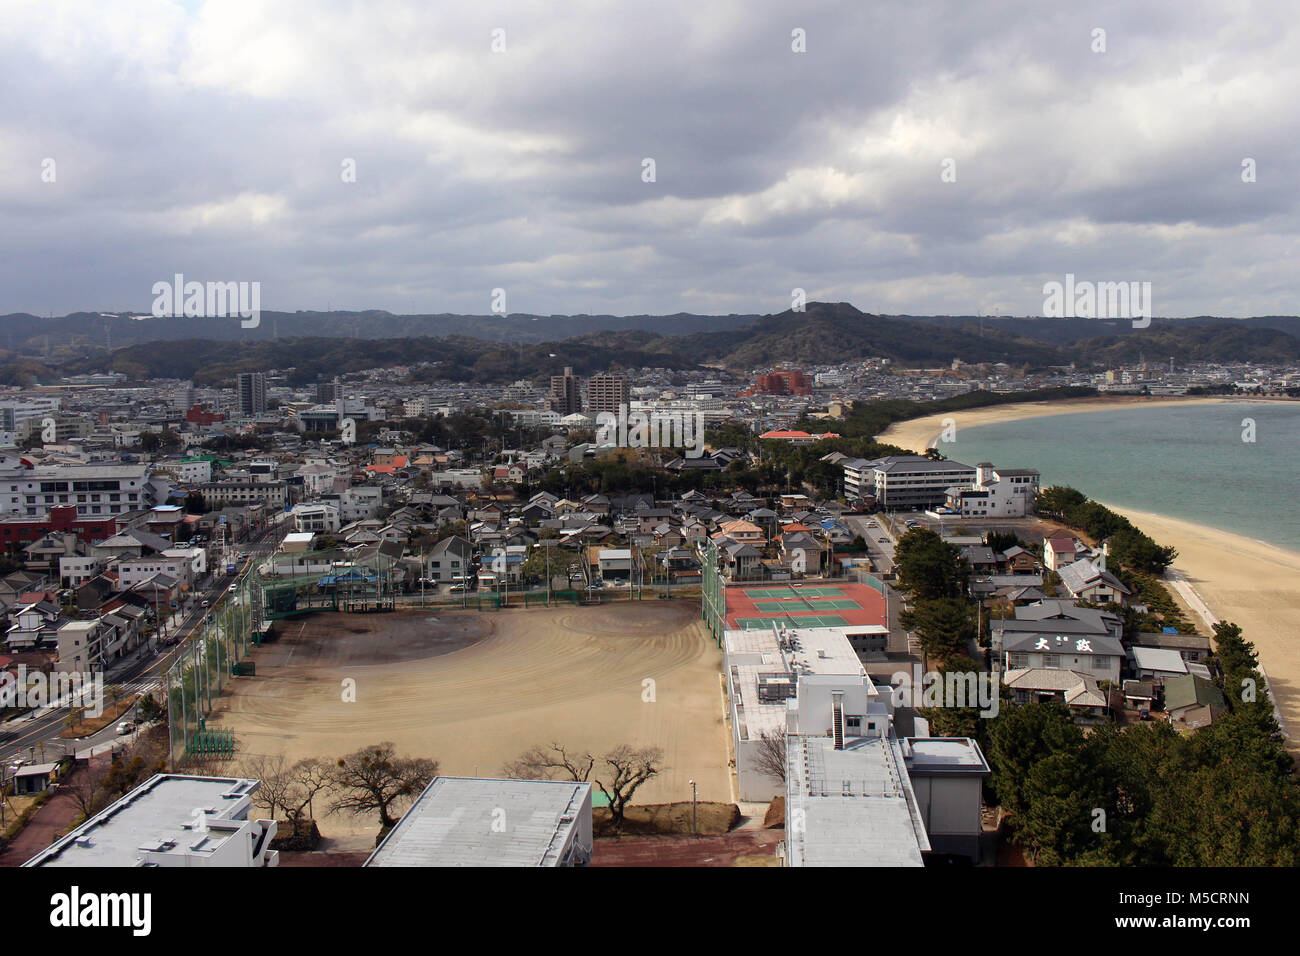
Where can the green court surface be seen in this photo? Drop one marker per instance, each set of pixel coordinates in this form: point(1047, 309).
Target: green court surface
point(800, 620)
point(822, 604)
point(758, 594)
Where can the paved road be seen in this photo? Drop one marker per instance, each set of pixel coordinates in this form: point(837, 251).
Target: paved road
point(140, 671)
point(870, 530)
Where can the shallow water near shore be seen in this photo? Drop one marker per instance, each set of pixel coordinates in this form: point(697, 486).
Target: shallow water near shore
point(1185, 461)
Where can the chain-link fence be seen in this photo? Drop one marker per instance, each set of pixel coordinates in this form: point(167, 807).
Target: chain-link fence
point(207, 660)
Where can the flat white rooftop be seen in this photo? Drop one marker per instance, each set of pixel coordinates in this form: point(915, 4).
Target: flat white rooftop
point(811, 650)
point(851, 807)
point(754, 653)
point(163, 810)
point(944, 753)
point(472, 821)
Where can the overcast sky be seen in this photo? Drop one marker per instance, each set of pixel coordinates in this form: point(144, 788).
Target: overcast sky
point(210, 139)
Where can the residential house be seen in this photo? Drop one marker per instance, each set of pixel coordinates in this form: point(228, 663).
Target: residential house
point(1086, 580)
point(449, 559)
point(1192, 701)
point(1059, 552)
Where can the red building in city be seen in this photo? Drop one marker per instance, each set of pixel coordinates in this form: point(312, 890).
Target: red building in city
point(197, 416)
point(18, 531)
point(781, 381)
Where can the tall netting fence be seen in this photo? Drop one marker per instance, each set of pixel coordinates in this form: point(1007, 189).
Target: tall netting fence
point(206, 661)
point(713, 594)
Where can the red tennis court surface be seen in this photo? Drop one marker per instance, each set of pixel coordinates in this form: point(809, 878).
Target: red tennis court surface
point(811, 604)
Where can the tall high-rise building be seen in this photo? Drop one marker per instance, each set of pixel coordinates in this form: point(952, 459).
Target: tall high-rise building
point(329, 392)
point(606, 392)
point(251, 387)
point(565, 397)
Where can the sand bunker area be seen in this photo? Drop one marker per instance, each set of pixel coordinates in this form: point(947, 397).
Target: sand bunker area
point(473, 689)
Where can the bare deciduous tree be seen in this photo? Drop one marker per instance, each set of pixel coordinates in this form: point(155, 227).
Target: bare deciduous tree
point(628, 769)
point(375, 778)
point(625, 770)
point(86, 786)
point(286, 791)
point(541, 763)
point(770, 755)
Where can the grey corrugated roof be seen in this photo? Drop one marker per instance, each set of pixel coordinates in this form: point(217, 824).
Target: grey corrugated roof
point(856, 806)
point(463, 821)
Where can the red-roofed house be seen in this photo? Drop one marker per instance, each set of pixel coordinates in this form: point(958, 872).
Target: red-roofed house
point(1058, 552)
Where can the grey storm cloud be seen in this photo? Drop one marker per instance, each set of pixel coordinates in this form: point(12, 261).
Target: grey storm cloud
point(210, 138)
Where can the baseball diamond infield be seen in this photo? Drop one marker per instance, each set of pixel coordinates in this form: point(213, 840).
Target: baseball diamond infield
point(473, 689)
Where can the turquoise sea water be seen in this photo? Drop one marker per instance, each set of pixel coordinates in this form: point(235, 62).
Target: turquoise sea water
point(1185, 461)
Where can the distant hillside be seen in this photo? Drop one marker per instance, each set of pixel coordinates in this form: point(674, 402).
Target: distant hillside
point(457, 358)
point(505, 349)
point(84, 332)
point(831, 333)
point(1066, 331)
point(1220, 342)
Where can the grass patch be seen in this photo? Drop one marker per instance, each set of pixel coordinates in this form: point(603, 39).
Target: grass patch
point(667, 819)
point(95, 724)
point(19, 820)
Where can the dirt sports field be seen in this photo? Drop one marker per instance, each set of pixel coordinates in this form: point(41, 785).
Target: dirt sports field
point(472, 689)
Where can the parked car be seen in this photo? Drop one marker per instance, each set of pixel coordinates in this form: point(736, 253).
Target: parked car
point(205, 603)
point(125, 727)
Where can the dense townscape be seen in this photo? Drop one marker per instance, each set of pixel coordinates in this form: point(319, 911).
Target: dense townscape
point(951, 635)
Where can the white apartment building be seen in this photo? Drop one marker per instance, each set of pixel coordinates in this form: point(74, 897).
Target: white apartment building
point(198, 558)
point(317, 517)
point(995, 493)
point(81, 647)
point(14, 413)
point(76, 569)
point(195, 472)
point(237, 490)
point(96, 490)
point(534, 416)
point(317, 477)
point(171, 820)
point(133, 571)
point(903, 482)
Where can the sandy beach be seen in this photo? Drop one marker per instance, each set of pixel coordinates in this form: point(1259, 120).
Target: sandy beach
point(1247, 582)
point(921, 433)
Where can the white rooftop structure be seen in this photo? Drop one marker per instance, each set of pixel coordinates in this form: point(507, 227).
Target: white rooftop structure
point(947, 753)
point(474, 821)
point(764, 663)
point(171, 820)
point(845, 807)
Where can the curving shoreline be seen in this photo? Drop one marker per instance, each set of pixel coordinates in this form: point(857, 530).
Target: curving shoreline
point(1242, 580)
point(921, 433)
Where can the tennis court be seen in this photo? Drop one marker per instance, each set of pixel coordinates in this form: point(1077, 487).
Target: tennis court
point(821, 604)
point(788, 592)
point(796, 620)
